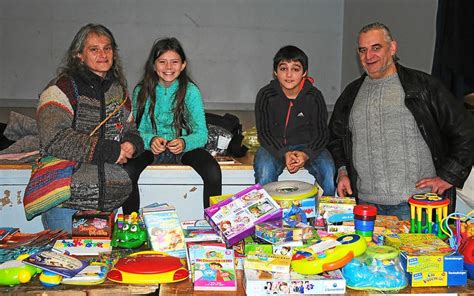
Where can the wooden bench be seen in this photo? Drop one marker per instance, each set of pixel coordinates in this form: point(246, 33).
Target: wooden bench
point(177, 185)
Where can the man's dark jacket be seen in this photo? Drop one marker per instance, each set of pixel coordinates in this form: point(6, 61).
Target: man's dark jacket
point(444, 123)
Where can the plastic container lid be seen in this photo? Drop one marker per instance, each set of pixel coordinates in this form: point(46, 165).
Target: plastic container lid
point(365, 210)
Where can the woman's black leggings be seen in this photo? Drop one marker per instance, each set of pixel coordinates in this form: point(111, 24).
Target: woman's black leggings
point(199, 159)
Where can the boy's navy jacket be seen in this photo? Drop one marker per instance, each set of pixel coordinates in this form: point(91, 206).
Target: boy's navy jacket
point(306, 123)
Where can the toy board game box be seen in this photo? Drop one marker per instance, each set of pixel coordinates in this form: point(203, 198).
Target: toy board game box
point(93, 224)
point(257, 282)
point(235, 218)
point(437, 278)
point(335, 208)
point(423, 252)
point(276, 232)
point(267, 262)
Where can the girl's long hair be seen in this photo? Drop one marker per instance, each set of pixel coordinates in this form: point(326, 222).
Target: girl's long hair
point(150, 80)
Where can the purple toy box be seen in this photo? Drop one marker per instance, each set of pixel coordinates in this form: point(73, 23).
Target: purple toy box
point(235, 218)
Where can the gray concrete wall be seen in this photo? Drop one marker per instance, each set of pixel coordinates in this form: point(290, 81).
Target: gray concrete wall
point(230, 43)
point(412, 23)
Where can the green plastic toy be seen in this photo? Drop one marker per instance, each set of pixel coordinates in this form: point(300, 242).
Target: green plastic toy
point(129, 232)
point(16, 272)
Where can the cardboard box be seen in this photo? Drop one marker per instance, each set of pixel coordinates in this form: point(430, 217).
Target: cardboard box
point(420, 252)
point(257, 282)
point(330, 206)
point(267, 262)
point(424, 263)
point(437, 278)
point(235, 218)
point(93, 224)
point(276, 232)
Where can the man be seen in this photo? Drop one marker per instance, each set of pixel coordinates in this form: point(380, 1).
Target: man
point(396, 131)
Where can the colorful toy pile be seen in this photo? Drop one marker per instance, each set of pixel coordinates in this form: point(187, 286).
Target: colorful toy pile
point(343, 245)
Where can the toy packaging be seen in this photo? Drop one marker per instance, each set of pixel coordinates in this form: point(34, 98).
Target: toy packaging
point(437, 278)
point(258, 282)
point(213, 268)
point(377, 269)
point(199, 231)
point(424, 252)
point(164, 230)
point(295, 193)
point(218, 198)
point(235, 218)
point(83, 247)
point(276, 232)
point(93, 224)
point(332, 210)
point(266, 262)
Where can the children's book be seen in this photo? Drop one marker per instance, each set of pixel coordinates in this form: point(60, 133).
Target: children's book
point(199, 231)
point(164, 230)
point(213, 268)
point(93, 274)
point(5, 231)
point(83, 247)
point(56, 262)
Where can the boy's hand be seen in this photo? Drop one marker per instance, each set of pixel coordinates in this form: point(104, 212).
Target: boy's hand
point(158, 145)
point(292, 161)
point(176, 146)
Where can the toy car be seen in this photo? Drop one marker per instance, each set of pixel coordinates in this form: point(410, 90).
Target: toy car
point(148, 267)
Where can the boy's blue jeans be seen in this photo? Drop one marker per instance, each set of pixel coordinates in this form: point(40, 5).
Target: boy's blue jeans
point(267, 168)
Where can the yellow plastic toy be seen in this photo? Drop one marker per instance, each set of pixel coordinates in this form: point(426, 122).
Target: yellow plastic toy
point(309, 262)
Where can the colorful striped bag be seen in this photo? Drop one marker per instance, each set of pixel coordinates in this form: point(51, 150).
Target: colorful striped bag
point(49, 185)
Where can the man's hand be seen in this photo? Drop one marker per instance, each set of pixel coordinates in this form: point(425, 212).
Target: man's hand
point(126, 152)
point(158, 145)
point(437, 185)
point(176, 146)
point(344, 186)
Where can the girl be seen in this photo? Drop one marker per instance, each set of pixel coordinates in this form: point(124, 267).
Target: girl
point(170, 116)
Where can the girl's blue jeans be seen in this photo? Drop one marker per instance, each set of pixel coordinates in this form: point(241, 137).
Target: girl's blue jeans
point(267, 168)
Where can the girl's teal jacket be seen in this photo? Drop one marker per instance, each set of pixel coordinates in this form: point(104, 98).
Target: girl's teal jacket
point(194, 113)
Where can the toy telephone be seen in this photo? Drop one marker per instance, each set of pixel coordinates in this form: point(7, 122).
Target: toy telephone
point(309, 262)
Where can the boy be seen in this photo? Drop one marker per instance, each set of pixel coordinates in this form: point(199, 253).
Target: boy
point(291, 119)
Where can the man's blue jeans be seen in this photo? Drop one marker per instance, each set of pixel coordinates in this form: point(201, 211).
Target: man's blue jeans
point(402, 210)
point(267, 168)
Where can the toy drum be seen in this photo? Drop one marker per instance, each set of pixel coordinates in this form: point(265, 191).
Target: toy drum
point(294, 193)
